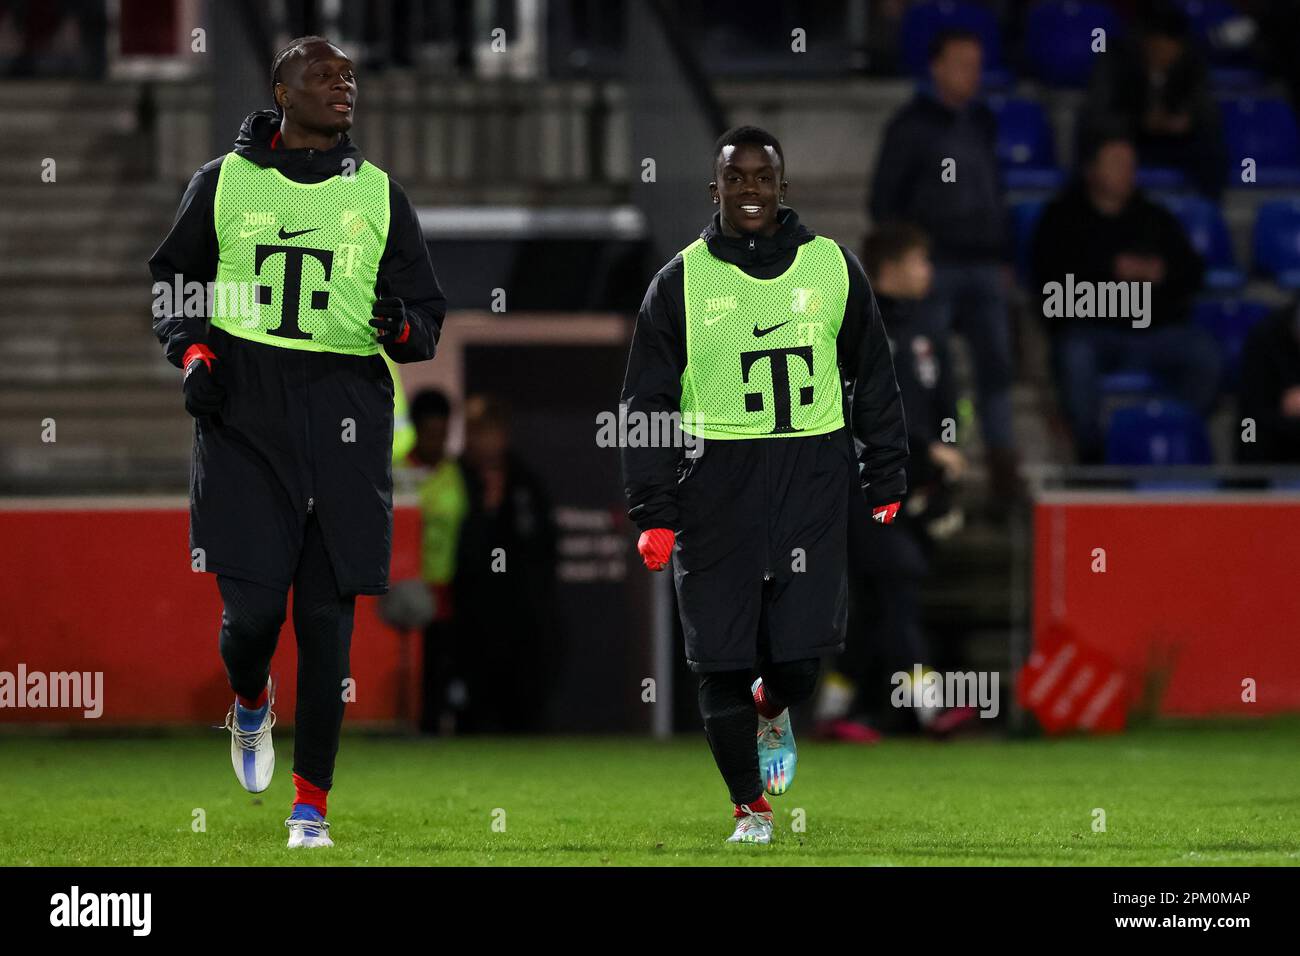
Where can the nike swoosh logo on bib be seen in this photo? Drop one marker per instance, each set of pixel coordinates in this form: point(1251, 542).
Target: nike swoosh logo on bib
point(295, 235)
point(759, 333)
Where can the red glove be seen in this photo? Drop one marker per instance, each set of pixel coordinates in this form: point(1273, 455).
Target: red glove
point(655, 547)
point(885, 513)
point(203, 393)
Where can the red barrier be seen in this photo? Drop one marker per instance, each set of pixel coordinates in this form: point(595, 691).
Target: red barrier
point(107, 586)
point(1199, 594)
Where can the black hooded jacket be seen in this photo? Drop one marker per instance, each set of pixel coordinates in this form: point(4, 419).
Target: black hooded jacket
point(762, 524)
point(300, 432)
point(658, 357)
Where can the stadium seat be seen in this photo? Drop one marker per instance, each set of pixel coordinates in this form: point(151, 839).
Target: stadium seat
point(1154, 178)
point(1058, 39)
point(1229, 321)
point(922, 21)
point(1129, 382)
point(1229, 69)
point(1277, 241)
point(1024, 220)
point(1208, 232)
point(1262, 129)
point(1025, 146)
point(1158, 432)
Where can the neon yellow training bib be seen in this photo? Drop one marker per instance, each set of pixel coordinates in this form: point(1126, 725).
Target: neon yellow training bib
point(760, 353)
point(298, 261)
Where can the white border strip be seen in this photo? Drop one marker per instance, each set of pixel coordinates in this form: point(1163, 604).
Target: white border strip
point(526, 222)
point(1208, 497)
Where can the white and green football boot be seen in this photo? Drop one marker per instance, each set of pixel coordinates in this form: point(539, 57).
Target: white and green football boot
point(776, 751)
point(752, 826)
point(252, 752)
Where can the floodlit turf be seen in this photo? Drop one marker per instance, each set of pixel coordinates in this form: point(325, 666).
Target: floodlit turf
point(1171, 795)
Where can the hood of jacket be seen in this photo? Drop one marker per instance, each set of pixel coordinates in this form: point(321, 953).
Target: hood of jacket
point(751, 250)
point(258, 131)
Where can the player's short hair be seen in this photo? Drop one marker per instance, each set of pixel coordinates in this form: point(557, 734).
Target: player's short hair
point(294, 48)
point(939, 42)
point(429, 403)
point(751, 135)
point(889, 243)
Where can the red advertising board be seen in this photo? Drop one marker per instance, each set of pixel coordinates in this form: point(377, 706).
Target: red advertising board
point(106, 586)
point(1192, 601)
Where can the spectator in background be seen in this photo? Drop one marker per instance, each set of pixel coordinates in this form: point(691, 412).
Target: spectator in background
point(889, 563)
point(1158, 88)
point(1270, 388)
point(443, 505)
point(1100, 229)
point(505, 581)
point(961, 208)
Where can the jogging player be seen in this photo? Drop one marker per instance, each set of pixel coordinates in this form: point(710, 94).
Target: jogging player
point(318, 264)
point(756, 333)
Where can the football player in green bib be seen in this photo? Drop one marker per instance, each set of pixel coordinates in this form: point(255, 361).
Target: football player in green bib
point(766, 341)
point(316, 269)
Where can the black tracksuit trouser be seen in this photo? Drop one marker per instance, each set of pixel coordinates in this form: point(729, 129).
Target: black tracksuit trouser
point(322, 622)
point(731, 718)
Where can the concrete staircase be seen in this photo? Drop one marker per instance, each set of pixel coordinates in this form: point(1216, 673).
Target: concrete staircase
point(75, 339)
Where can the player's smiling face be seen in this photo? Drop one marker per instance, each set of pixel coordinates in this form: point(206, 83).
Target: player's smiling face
point(749, 188)
point(319, 89)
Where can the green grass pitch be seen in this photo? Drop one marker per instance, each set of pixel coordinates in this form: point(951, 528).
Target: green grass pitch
point(1172, 795)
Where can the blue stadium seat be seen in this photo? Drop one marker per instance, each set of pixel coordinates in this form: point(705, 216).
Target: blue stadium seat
point(1229, 69)
point(922, 21)
point(1024, 220)
point(1263, 129)
point(1208, 232)
point(1129, 382)
point(1230, 321)
point(1157, 433)
point(1153, 178)
point(1026, 147)
point(1277, 241)
point(1058, 39)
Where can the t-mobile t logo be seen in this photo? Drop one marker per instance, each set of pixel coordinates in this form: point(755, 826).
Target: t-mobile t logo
point(779, 359)
point(293, 260)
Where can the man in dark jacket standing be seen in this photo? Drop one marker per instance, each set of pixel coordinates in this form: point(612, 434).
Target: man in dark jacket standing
point(314, 261)
point(749, 335)
point(938, 170)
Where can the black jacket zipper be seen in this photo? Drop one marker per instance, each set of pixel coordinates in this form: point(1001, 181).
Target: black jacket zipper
point(767, 511)
point(306, 416)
